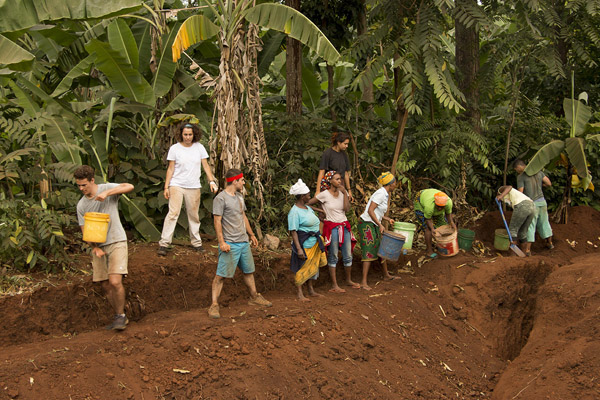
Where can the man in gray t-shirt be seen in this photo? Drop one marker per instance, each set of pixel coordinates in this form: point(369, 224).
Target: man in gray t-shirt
point(233, 232)
point(109, 258)
point(531, 186)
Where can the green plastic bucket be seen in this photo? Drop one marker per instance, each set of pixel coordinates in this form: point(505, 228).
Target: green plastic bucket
point(501, 241)
point(465, 239)
point(407, 230)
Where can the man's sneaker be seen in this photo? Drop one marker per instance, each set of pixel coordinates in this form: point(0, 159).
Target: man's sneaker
point(162, 251)
point(200, 249)
point(119, 323)
point(260, 301)
point(213, 311)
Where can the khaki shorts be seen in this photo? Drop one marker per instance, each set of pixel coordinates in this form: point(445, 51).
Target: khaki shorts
point(113, 262)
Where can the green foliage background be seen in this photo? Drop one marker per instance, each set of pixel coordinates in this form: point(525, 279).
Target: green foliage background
point(66, 103)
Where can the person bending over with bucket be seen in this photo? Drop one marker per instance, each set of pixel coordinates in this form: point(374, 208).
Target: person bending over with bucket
point(109, 258)
point(371, 226)
point(308, 250)
point(523, 213)
point(336, 228)
point(234, 235)
point(432, 208)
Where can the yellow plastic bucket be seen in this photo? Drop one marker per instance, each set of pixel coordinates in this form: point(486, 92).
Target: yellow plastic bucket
point(95, 227)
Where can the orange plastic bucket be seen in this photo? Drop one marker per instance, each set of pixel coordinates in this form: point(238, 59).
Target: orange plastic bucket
point(95, 227)
point(446, 240)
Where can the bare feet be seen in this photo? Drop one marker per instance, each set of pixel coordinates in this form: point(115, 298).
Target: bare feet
point(337, 289)
point(303, 299)
point(391, 277)
point(315, 294)
point(353, 285)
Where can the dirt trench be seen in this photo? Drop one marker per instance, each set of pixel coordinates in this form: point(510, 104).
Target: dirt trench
point(513, 306)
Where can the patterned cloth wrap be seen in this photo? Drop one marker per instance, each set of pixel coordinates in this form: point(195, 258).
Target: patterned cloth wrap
point(326, 181)
point(370, 239)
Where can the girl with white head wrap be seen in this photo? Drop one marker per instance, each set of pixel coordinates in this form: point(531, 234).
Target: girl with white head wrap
point(308, 251)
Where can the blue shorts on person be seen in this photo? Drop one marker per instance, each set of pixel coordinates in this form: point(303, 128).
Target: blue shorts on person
point(239, 255)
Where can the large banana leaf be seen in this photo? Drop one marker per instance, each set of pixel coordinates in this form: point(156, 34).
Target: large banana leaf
point(141, 222)
point(195, 29)
point(46, 45)
point(543, 156)
point(81, 68)
point(311, 89)
point(124, 79)
point(23, 14)
point(165, 66)
point(575, 147)
point(272, 42)
point(122, 40)
point(52, 106)
point(582, 116)
point(189, 93)
point(24, 101)
point(61, 139)
point(141, 33)
point(595, 137)
point(13, 55)
point(287, 20)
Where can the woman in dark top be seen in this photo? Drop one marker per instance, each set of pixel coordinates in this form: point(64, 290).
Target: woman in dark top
point(336, 159)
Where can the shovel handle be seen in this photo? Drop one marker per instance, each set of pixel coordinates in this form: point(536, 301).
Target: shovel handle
point(504, 219)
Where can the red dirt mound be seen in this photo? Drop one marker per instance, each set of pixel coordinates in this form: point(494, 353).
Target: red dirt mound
point(467, 326)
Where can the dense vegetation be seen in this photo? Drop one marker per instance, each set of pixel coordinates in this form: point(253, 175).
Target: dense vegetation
point(445, 92)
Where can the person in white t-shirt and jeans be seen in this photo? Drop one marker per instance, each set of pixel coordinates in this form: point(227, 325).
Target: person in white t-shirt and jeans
point(183, 184)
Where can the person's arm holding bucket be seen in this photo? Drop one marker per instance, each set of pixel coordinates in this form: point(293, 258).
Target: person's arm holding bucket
point(121, 189)
point(98, 252)
point(371, 212)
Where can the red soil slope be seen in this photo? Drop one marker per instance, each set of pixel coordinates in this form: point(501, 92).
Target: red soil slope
point(464, 327)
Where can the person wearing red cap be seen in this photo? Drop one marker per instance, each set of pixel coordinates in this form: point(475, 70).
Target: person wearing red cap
point(433, 209)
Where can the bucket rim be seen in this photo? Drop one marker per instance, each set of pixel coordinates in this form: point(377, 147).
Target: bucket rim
point(394, 235)
point(96, 215)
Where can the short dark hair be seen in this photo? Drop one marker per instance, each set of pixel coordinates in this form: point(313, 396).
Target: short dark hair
point(339, 137)
point(197, 132)
point(518, 162)
point(231, 173)
point(84, 172)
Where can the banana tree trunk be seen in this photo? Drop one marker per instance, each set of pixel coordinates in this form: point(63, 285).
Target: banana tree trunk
point(561, 216)
point(240, 140)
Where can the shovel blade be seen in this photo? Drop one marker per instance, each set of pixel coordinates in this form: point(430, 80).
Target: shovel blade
point(517, 250)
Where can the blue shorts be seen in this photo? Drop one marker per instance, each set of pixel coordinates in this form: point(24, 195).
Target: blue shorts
point(239, 255)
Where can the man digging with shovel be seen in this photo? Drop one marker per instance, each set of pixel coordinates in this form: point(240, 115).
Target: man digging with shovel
point(523, 213)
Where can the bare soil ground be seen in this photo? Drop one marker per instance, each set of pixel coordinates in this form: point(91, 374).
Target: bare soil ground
point(473, 326)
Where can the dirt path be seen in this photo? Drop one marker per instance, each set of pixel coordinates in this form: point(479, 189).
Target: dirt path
point(446, 331)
